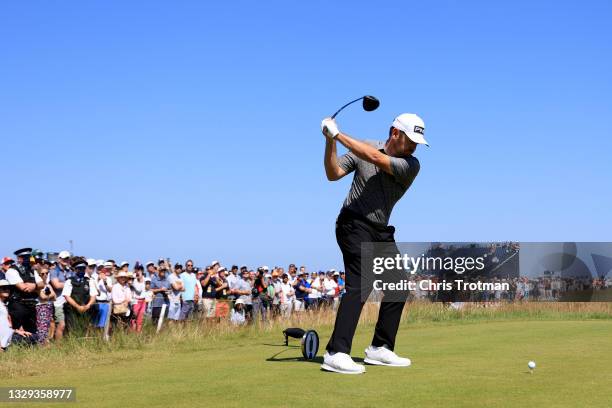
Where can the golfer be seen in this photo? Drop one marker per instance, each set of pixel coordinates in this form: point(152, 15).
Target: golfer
point(383, 173)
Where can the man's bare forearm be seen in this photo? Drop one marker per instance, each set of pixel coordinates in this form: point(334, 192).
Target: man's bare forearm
point(330, 160)
point(332, 170)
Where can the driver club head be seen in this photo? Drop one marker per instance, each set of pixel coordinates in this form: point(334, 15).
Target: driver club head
point(370, 103)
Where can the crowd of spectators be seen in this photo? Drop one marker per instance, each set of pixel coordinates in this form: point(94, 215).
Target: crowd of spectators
point(42, 298)
point(501, 267)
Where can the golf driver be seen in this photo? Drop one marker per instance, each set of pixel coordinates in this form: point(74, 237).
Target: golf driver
point(370, 103)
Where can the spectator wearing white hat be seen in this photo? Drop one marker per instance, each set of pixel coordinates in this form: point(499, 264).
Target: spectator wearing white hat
point(90, 271)
point(238, 316)
point(330, 288)
point(121, 296)
point(58, 277)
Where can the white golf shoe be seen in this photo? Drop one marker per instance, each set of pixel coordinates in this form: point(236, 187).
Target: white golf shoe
point(384, 356)
point(341, 363)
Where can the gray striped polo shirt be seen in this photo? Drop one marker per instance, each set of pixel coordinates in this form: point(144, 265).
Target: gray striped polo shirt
point(374, 192)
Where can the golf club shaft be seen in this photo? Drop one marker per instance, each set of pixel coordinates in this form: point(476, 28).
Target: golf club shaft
point(339, 110)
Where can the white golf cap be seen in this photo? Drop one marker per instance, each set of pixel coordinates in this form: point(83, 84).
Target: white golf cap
point(265, 268)
point(215, 262)
point(239, 302)
point(64, 255)
point(125, 263)
point(108, 264)
point(100, 262)
point(413, 126)
point(91, 262)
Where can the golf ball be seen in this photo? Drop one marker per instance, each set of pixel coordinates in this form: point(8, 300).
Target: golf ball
point(531, 365)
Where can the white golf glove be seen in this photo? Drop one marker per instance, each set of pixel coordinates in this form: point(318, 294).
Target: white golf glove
point(329, 128)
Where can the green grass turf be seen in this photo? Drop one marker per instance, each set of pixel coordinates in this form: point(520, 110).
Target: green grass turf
point(454, 365)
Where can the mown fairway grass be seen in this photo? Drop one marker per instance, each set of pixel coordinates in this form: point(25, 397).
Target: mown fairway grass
point(457, 362)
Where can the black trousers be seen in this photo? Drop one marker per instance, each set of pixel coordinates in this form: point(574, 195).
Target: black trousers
point(23, 314)
point(351, 232)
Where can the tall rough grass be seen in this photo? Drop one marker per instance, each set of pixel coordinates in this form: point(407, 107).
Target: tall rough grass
point(200, 335)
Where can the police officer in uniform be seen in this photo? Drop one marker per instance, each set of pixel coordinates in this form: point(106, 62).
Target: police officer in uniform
point(27, 284)
point(80, 294)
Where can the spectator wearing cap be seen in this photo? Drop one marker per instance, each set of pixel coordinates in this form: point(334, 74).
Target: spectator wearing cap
point(6, 265)
point(232, 277)
point(209, 291)
point(160, 286)
point(335, 278)
point(292, 272)
point(8, 334)
point(121, 296)
point(190, 291)
point(316, 285)
point(260, 300)
point(58, 277)
point(222, 309)
point(124, 266)
point(138, 298)
point(287, 296)
point(24, 295)
point(275, 287)
point(80, 294)
point(148, 296)
point(242, 291)
point(104, 286)
point(174, 297)
point(330, 289)
point(302, 288)
point(44, 307)
point(199, 305)
point(90, 271)
point(151, 270)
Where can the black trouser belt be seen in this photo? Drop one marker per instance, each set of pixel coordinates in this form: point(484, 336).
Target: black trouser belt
point(349, 215)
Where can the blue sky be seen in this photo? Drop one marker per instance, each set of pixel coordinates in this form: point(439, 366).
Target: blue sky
point(191, 129)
